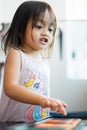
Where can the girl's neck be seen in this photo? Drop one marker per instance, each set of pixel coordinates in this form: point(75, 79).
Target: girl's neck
point(33, 53)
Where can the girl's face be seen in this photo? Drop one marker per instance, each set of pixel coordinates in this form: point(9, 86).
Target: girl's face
point(41, 35)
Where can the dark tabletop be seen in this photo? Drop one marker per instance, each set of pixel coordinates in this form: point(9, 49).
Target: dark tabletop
point(30, 126)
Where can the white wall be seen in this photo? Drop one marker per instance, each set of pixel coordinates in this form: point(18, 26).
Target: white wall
point(74, 92)
point(76, 9)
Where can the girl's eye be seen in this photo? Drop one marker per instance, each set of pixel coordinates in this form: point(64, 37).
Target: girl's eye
point(51, 29)
point(38, 26)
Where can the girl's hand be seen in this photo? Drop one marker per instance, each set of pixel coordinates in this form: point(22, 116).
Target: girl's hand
point(55, 105)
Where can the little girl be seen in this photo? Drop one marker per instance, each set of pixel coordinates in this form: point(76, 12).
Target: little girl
point(27, 44)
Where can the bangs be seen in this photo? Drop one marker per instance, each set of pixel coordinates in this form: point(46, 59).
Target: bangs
point(53, 19)
point(40, 17)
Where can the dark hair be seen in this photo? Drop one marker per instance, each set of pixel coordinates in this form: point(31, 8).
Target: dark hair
point(29, 10)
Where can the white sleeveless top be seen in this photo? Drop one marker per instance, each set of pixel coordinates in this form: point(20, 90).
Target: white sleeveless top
point(34, 76)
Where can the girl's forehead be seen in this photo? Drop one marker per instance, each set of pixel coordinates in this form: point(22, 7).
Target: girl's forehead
point(46, 17)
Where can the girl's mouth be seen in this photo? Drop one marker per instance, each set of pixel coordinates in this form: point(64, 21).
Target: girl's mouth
point(44, 41)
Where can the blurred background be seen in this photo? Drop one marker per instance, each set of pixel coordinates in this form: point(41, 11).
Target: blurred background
point(69, 60)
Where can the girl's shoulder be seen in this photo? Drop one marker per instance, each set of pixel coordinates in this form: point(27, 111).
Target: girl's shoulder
point(13, 54)
point(13, 51)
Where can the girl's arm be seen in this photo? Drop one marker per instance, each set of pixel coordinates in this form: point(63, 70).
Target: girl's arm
point(11, 79)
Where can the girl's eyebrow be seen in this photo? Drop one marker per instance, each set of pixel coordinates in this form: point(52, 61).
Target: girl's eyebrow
point(43, 22)
point(51, 24)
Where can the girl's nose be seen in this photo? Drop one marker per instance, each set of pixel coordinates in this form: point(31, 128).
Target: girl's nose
point(45, 31)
